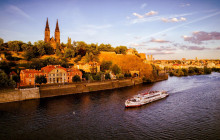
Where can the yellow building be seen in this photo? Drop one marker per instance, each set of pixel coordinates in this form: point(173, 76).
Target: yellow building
point(91, 67)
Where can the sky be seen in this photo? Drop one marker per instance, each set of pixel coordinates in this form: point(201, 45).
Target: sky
point(167, 29)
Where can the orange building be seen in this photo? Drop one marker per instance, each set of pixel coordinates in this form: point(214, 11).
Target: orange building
point(53, 74)
point(27, 76)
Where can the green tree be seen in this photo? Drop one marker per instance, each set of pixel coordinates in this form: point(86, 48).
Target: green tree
point(31, 52)
point(1, 41)
point(40, 79)
point(69, 53)
point(121, 50)
point(105, 47)
point(105, 65)
point(207, 70)
point(107, 76)
point(6, 82)
point(76, 78)
point(81, 48)
point(15, 45)
point(116, 69)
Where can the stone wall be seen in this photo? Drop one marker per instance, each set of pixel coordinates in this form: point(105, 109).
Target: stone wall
point(86, 87)
point(19, 95)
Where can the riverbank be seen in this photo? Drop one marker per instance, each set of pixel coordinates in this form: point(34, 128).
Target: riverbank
point(64, 89)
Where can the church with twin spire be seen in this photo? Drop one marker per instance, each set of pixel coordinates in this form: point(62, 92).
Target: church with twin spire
point(54, 41)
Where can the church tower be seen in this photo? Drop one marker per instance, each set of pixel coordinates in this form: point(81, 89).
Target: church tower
point(47, 32)
point(57, 33)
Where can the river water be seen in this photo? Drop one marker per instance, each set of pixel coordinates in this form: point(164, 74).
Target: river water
point(192, 111)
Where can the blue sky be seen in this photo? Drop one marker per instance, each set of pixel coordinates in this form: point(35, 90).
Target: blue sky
point(168, 29)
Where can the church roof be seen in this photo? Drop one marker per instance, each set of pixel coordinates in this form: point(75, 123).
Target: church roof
point(57, 27)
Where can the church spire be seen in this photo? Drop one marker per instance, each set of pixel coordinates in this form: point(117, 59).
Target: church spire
point(47, 28)
point(57, 27)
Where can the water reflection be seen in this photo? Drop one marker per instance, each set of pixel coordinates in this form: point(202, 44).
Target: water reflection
point(192, 111)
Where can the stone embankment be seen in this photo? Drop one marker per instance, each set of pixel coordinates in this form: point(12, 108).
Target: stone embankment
point(19, 95)
point(65, 89)
point(50, 91)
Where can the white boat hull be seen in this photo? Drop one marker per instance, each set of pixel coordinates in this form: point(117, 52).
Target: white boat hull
point(143, 99)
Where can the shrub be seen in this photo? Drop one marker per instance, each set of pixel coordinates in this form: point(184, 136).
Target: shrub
point(107, 76)
point(76, 78)
point(119, 76)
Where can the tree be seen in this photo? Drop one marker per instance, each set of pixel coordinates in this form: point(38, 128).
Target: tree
point(69, 53)
point(107, 76)
point(116, 69)
point(15, 45)
point(76, 78)
point(5, 82)
point(105, 65)
point(1, 41)
point(105, 47)
point(40, 79)
point(121, 50)
point(31, 52)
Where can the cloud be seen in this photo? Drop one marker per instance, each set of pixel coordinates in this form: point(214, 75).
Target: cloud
point(15, 10)
point(200, 36)
point(162, 53)
point(143, 5)
point(142, 44)
point(159, 41)
point(185, 4)
point(162, 48)
point(166, 18)
point(138, 15)
point(151, 13)
point(218, 48)
point(173, 19)
point(185, 47)
point(180, 25)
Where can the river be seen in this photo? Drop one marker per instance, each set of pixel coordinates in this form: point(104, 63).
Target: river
point(192, 111)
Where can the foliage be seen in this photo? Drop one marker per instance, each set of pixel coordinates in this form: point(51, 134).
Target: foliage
point(207, 70)
point(126, 75)
point(107, 76)
point(116, 69)
point(119, 76)
point(91, 57)
point(6, 66)
point(31, 52)
point(1, 41)
point(105, 47)
point(15, 45)
point(121, 50)
point(96, 77)
point(105, 65)
point(69, 53)
point(40, 79)
point(146, 80)
point(76, 78)
point(78, 58)
point(5, 82)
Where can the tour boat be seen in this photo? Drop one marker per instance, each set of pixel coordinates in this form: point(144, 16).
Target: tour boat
point(144, 98)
